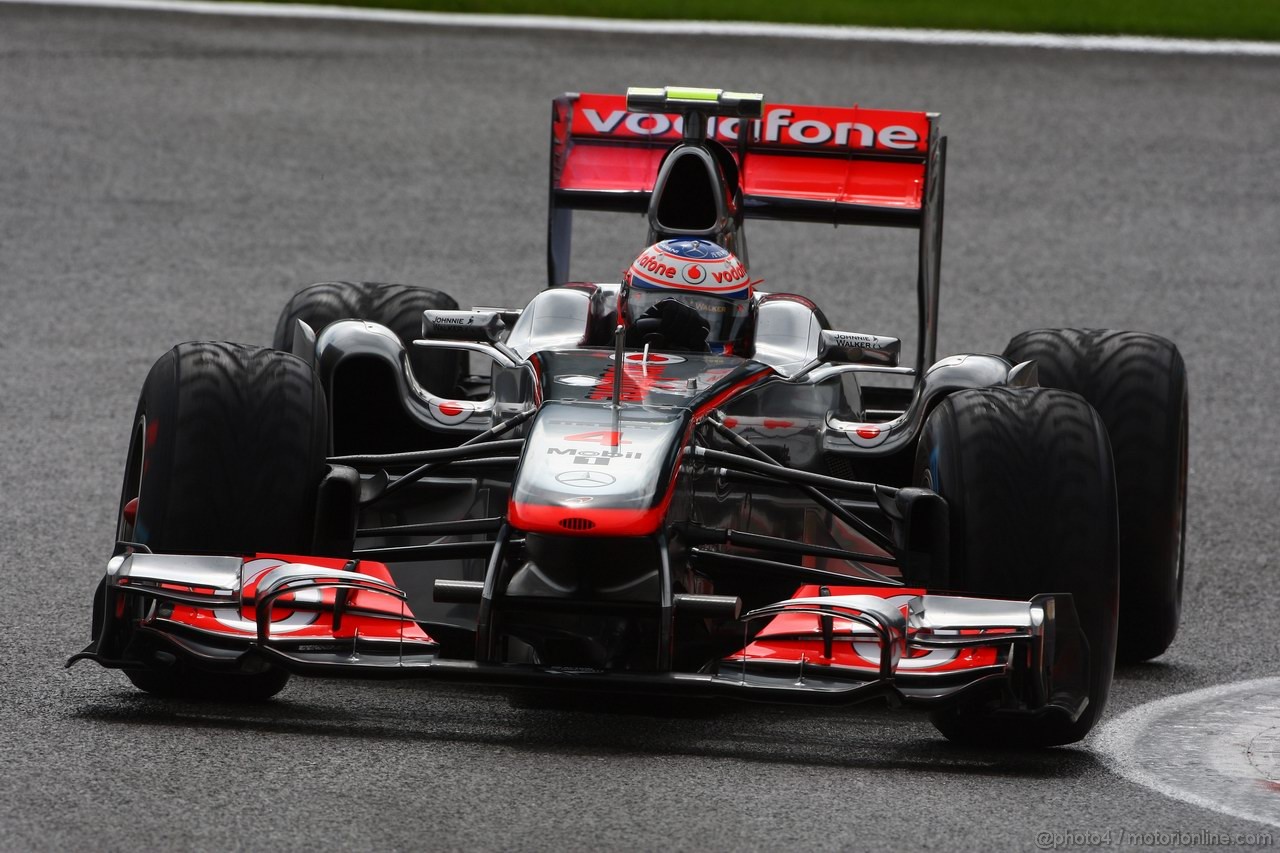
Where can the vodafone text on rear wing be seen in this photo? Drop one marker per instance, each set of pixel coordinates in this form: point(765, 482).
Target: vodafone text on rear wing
point(822, 164)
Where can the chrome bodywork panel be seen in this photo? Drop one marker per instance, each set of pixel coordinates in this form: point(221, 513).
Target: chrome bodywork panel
point(221, 574)
point(954, 373)
point(553, 319)
point(350, 339)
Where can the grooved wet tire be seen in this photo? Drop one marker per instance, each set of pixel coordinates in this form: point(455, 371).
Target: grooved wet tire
point(1028, 480)
point(234, 442)
point(1138, 384)
point(399, 307)
point(227, 454)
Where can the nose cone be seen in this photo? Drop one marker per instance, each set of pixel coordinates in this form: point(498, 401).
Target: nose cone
point(583, 473)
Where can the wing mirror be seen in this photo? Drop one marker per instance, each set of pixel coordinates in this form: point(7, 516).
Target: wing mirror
point(858, 348)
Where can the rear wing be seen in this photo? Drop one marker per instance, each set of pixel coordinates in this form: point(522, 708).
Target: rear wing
point(829, 165)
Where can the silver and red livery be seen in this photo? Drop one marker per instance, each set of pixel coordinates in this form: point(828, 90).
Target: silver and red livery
point(599, 515)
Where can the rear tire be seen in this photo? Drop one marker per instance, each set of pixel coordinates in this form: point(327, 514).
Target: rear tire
point(1029, 485)
point(399, 307)
point(1138, 384)
point(226, 457)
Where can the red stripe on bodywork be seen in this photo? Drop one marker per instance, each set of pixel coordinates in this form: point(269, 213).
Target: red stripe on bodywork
point(568, 521)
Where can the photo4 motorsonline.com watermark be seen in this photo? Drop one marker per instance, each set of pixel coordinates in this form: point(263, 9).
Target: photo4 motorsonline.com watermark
point(1067, 839)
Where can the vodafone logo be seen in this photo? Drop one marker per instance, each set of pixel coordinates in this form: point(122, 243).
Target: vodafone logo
point(866, 435)
point(807, 127)
point(654, 270)
point(694, 274)
point(734, 272)
point(451, 411)
point(654, 358)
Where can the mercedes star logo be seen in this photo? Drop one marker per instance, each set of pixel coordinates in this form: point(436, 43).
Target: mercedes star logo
point(586, 479)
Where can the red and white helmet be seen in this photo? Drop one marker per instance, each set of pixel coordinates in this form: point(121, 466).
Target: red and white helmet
point(701, 275)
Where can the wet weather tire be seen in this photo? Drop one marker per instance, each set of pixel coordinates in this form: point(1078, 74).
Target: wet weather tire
point(227, 455)
point(1138, 384)
point(399, 307)
point(233, 441)
point(1028, 480)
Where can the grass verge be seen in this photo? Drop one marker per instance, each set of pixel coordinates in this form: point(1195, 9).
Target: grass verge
point(1212, 19)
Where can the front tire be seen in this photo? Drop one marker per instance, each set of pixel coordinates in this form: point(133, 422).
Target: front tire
point(1028, 480)
point(1138, 384)
point(227, 454)
point(228, 451)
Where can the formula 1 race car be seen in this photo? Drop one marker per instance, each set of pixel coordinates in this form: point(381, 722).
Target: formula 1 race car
point(677, 485)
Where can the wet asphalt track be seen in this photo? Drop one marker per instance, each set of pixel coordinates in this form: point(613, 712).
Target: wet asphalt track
point(165, 178)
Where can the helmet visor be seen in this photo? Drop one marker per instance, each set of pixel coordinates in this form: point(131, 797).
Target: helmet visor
point(727, 319)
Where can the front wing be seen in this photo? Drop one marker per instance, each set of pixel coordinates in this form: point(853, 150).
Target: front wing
point(336, 618)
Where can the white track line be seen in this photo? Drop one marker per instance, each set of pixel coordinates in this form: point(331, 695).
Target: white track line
point(1195, 747)
point(1134, 44)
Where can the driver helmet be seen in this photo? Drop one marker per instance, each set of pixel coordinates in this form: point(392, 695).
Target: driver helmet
point(701, 275)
